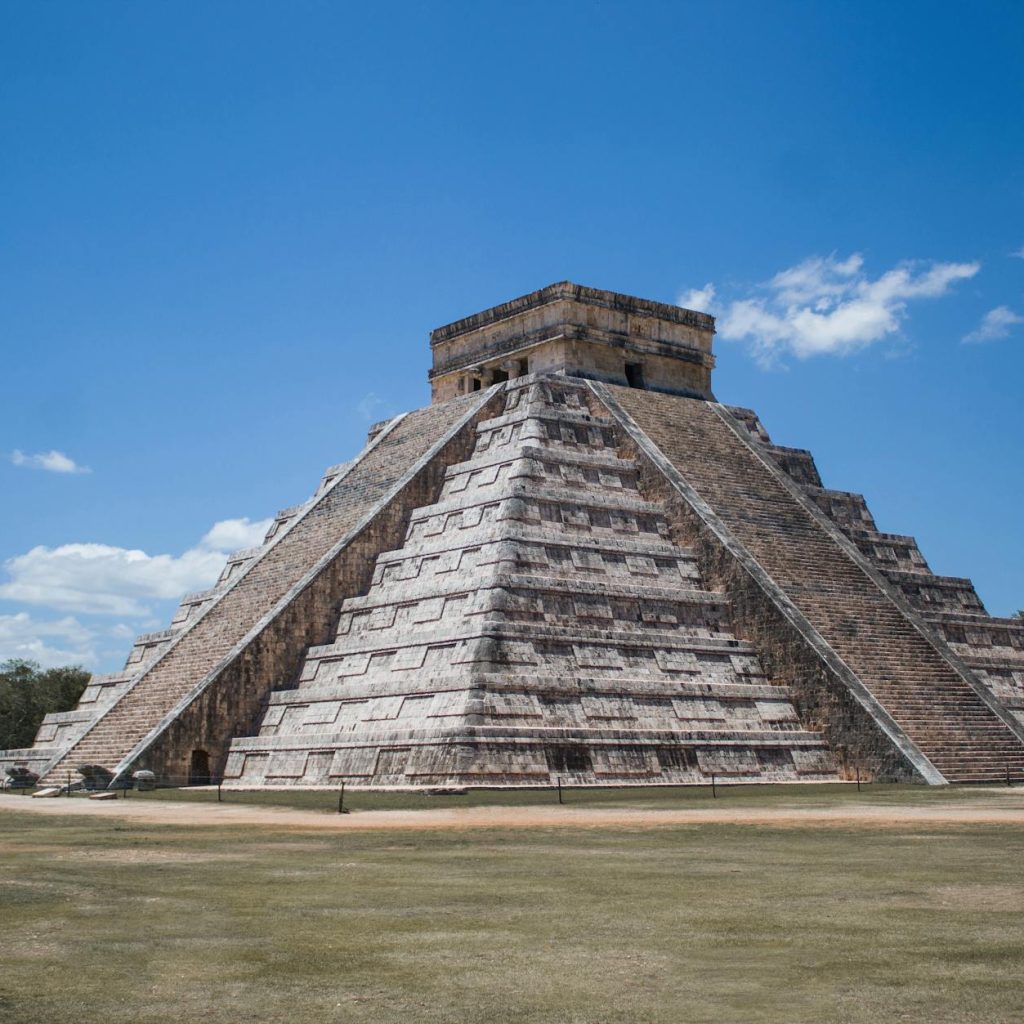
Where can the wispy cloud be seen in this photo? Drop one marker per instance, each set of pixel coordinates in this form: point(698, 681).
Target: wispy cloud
point(371, 407)
point(234, 534)
point(1019, 253)
point(102, 579)
point(52, 461)
point(55, 642)
point(827, 305)
point(996, 323)
point(700, 299)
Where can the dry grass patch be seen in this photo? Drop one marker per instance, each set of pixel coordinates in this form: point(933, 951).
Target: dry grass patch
point(716, 923)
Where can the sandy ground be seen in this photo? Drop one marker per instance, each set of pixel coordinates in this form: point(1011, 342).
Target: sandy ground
point(1006, 808)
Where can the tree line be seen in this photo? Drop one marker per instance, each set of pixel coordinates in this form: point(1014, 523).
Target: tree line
point(27, 693)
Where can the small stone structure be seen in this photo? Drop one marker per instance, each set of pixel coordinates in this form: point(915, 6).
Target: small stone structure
point(574, 565)
point(574, 331)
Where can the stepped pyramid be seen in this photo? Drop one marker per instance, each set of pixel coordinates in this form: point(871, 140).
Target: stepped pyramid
point(574, 565)
point(537, 619)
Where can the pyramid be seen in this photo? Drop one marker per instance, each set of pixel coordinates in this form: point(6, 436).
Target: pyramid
point(574, 565)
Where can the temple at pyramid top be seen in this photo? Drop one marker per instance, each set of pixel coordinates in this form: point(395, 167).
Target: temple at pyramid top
point(576, 331)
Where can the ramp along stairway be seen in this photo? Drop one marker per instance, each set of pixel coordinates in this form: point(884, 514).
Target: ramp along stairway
point(939, 708)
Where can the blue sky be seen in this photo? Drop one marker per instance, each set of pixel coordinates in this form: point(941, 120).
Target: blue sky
point(226, 230)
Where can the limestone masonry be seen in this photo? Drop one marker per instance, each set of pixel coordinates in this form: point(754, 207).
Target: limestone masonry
point(574, 565)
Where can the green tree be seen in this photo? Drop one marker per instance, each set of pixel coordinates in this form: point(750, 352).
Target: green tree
point(27, 693)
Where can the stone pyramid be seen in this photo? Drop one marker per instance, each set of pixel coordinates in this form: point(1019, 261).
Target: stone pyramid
point(574, 565)
point(537, 619)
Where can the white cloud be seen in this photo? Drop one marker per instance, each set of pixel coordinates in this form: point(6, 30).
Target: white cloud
point(52, 461)
point(105, 580)
point(57, 642)
point(828, 305)
point(370, 407)
point(700, 299)
point(1019, 253)
point(995, 324)
point(234, 534)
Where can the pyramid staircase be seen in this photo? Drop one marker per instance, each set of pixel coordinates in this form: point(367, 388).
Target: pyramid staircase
point(910, 676)
point(204, 680)
point(990, 646)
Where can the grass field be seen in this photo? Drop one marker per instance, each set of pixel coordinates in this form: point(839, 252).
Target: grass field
point(108, 921)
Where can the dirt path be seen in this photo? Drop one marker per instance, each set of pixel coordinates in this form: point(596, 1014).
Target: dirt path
point(979, 809)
